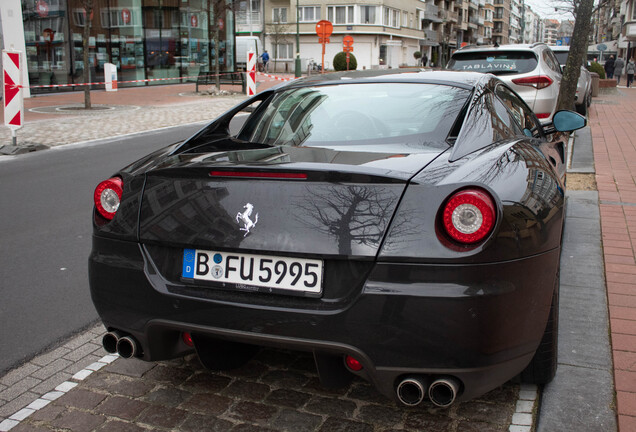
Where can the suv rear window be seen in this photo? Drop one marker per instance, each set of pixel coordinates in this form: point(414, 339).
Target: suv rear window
point(495, 62)
point(562, 56)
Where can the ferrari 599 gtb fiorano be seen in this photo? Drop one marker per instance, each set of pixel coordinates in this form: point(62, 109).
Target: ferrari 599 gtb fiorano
point(402, 226)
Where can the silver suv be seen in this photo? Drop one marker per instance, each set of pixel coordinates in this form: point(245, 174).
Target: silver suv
point(584, 86)
point(532, 71)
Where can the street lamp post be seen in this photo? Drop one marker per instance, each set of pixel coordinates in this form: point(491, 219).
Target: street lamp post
point(297, 73)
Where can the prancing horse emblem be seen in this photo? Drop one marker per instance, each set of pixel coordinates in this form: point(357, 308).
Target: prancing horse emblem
point(245, 218)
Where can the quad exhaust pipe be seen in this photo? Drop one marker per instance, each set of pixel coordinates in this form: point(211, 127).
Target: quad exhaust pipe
point(442, 392)
point(124, 345)
point(411, 391)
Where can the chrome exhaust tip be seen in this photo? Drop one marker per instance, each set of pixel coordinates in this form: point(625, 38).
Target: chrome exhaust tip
point(109, 341)
point(443, 391)
point(127, 347)
point(411, 391)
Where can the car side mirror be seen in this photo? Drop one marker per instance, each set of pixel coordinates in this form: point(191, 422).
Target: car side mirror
point(568, 121)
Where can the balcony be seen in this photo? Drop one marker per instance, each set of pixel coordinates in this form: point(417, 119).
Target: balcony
point(449, 16)
point(431, 37)
point(243, 21)
point(431, 14)
point(474, 4)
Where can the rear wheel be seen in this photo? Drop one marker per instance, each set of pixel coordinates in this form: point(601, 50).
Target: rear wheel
point(543, 366)
point(582, 108)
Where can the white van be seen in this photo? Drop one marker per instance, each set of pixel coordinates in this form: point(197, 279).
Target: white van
point(245, 44)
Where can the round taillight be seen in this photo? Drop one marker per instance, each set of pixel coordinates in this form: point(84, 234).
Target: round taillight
point(469, 216)
point(107, 197)
point(353, 363)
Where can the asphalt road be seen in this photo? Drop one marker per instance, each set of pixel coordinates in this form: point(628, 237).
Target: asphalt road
point(45, 235)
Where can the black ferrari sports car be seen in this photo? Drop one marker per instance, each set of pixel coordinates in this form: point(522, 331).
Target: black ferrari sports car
point(403, 226)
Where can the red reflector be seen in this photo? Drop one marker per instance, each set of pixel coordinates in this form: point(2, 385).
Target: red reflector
point(255, 174)
point(542, 115)
point(538, 82)
point(469, 216)
point(353, 364)
point(187, 339)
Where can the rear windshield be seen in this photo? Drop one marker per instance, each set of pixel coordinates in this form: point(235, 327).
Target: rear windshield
point(408, 117)
point(495, 62)
point(562, 56)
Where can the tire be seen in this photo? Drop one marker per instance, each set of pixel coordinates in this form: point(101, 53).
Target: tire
point(543, 365)
point(582, 108)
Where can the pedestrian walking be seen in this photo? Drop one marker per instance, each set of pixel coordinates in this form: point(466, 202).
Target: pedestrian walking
point(619, 64)
point(609, 67)
point(629, 70)
point(424, 60)
point(265, 58)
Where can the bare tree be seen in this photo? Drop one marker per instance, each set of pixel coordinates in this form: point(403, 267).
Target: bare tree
point(582, 11)
point(277, 33)
point(219, 11)
point(88, 19)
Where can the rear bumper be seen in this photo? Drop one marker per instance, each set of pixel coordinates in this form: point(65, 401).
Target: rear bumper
point(480, 323)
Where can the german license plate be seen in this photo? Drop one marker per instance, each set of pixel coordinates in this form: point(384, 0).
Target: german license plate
point(247, 270)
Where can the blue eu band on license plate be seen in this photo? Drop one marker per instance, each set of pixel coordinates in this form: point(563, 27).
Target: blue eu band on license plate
point(274, 272)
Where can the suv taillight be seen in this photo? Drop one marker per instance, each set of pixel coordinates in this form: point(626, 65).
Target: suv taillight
point(538, 82)
point(107, 197)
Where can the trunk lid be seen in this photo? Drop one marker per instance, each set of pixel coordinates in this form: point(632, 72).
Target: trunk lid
point(288, 200)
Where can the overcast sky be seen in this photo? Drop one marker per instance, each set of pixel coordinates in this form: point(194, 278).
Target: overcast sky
point(545, 8)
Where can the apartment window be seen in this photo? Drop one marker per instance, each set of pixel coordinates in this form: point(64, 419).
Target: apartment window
point(368, 14)
point(499, 13)
point(284, 51)
point(391, 17)
point(309, 13)
point(340, 14)
point(279, 15)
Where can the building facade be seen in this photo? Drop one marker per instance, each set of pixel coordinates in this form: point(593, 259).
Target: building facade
point(145, 39)
point(386, 33)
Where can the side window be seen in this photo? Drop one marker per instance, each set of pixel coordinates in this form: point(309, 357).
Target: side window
point(524, 117)
point(551, 61)
point(504, 122)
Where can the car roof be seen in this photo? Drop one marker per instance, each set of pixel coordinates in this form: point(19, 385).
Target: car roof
point(509, 47)
point(560, 47)
point(466, 80)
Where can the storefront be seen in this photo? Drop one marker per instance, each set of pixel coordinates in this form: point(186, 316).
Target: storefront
point(145, 39)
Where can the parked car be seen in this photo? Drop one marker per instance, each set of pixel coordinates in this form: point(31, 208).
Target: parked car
point(584, 84)
point(530, 70)
point(403, 226)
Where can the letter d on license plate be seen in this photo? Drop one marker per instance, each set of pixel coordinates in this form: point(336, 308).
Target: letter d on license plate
point(275, 272)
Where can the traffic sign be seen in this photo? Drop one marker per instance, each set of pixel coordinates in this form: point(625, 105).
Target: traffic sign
point(13, 103)
point(324, 29)
point(125, 16)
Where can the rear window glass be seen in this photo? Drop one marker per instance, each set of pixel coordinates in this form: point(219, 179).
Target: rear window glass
point(562, 56)
point(378, 116)
point(495, 62)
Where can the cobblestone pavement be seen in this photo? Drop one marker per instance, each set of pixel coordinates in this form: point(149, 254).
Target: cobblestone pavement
point(277, 391)
point(69, 129)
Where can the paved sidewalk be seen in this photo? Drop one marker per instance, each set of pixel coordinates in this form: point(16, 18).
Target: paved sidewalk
point(613, 125)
